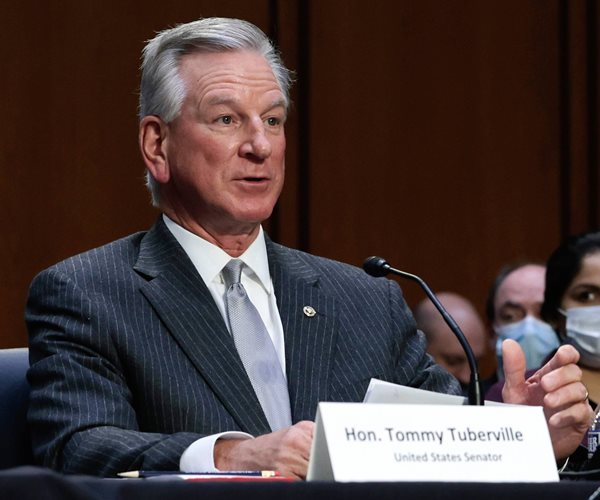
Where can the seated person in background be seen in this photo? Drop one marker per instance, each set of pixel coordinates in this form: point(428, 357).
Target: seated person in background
point(572, 302)
point(572, 306)
point(200, 343)
point(443, 345)
point(513, 312)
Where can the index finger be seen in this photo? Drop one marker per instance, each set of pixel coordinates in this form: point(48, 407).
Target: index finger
point(565, 355)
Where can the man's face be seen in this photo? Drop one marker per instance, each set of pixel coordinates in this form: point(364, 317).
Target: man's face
point(447, 351)
point(225, 150)
point(520, 294)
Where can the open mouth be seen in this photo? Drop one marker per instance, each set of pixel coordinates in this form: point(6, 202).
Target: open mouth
point(255, 179)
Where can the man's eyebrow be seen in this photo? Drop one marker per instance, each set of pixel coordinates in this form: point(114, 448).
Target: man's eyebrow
point(232, 102)
point(510, 304)
point(278, 103)
point(221, 99)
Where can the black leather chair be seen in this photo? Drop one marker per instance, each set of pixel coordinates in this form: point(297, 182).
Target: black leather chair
point(15, 445)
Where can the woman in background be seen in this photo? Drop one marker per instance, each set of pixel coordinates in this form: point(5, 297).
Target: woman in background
point(572, 302)
point(572, 307)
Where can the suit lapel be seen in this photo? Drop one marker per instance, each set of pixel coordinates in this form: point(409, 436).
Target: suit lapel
point(184, 304)
point(309, 339)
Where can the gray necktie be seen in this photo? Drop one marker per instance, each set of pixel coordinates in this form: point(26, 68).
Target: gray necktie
point(256, 349)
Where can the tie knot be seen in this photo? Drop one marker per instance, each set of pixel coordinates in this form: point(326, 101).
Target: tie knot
point(232, 272)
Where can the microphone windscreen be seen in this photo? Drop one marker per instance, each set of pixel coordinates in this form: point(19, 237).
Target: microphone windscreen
point(376, 266)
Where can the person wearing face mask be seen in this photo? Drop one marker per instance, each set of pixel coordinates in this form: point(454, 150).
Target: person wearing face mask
point(571, 306)
point(513, 311)
point(572, 302)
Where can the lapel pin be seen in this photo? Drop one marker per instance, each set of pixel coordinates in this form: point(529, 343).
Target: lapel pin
point(309, 311)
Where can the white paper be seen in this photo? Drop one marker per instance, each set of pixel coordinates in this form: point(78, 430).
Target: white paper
point(380, 391)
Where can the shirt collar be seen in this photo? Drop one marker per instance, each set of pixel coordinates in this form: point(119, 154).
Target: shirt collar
point(209, 259)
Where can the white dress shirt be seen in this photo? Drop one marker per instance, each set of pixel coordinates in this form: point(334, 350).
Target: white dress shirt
point(209, 260)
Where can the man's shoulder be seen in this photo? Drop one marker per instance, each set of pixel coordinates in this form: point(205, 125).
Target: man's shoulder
point(326, 268)
point(118, 253)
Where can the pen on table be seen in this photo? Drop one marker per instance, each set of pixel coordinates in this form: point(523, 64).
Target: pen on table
point(154, 473)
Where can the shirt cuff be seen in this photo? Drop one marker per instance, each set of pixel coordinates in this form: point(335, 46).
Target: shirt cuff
point(200, 455)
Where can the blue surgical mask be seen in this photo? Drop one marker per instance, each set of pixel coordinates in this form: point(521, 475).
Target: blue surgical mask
point(536, 338)
point(583, 332)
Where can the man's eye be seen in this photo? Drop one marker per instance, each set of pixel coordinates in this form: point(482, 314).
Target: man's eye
point(273, 122)
point(511, 317)
point(226, 120)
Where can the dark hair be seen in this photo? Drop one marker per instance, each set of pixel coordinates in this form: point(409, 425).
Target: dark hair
point(490, 311)
point(562, 267)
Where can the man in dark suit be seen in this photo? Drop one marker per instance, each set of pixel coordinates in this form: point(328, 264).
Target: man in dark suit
point(135, 350)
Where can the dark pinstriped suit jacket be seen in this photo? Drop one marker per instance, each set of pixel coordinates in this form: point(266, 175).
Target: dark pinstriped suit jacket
point(132, 362)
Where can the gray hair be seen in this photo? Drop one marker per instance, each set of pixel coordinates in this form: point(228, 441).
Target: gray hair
point(162, 90)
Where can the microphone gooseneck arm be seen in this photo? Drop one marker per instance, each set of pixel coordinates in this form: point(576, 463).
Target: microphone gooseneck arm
point(378, 267)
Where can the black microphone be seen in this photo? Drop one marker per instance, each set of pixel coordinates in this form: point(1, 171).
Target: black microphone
point(378, 267)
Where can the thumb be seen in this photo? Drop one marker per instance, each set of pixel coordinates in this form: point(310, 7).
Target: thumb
point(514, 364)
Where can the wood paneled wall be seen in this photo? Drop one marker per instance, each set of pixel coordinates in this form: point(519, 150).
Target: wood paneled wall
point(449, 137)
point(71, 177)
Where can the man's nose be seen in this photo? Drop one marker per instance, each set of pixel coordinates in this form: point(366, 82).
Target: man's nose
point(256, 143)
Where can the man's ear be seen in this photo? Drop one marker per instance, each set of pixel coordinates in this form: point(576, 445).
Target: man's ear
point(153, 145)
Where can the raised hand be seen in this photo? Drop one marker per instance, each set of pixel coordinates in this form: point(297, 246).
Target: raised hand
point(556, 386)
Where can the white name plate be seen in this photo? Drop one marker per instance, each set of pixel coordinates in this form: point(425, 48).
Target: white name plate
point(383, 442)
